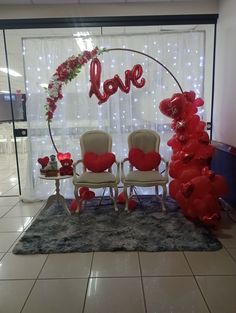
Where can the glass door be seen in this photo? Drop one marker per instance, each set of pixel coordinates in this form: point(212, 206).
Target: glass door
point(9, 184)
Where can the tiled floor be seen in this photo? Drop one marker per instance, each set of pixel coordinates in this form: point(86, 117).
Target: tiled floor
point(113, 282)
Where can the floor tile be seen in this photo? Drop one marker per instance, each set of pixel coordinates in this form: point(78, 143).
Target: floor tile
point(164, 264)
point(4, 210)
point(13, 295)
point(1, 255)
point(8, 201)
point(14, 224)
point(67, 265)
point(219, 292)
point(232, 252)
point(59, 296)
point(114, 295)
point(173, 294)
point(12, 192)
point(25, 209)
point(7, 240)
point(211, 263)
point(4, 188)
point(115, 264)
point(21, 266)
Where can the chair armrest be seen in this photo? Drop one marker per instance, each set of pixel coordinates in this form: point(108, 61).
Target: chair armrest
point(166, 168)
point(122, 169)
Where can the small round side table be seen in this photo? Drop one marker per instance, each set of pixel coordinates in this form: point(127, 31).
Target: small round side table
point(58, 198)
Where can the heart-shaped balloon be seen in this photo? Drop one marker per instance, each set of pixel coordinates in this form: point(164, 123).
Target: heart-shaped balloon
point(63, 156)
point(187, 189)
point(208, 173)
point(83, 190)
point(211, 220)
point(144, 161)
point(199, 102)
point(121, 198)
point(86, 194)
point(43, 161)
point(132, 204)
point(172, 107)
point(204, 138)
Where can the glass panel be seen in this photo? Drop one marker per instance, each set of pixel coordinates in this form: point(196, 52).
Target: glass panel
point(8, 168)
point(37, 53)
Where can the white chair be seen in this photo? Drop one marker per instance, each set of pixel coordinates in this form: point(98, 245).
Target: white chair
point(98, 142)
point(145, 140)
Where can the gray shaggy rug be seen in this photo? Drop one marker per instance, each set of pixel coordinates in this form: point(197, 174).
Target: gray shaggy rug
point(102, 229)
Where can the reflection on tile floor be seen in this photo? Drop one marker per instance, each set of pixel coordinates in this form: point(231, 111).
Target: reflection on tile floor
point(113, 282)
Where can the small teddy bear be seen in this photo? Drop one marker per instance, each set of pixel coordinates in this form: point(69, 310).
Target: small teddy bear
point(66, 168)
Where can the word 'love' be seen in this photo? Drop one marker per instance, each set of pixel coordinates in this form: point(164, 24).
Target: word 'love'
point(110, 86)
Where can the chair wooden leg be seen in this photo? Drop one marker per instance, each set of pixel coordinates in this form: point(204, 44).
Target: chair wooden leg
point(111, 192)
point(131, 191)
point(163, 198)
point(76, 193)
point(115, 198)
point(126, 198)
point(157, 190)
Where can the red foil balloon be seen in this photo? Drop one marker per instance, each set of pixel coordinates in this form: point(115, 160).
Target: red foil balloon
point(110, 86)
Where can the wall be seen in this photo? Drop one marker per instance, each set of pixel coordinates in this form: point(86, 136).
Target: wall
point(84, 10)
point(224, 129)
point(224, 119)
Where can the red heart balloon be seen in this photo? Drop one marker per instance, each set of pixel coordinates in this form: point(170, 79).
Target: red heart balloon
point(204, 138)
point(121, 198)
point(82, 190)
point(73, 206)
point(212, 220)
point(88, 195)
point(63, 156)
point(187, 189)
point(132, 204)
point(172, 107)
point(208, 173)
point(144, 161)
point(98, 163)
point(43, 161)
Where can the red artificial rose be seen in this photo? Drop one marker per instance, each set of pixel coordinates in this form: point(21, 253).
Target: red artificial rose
point(49, 115)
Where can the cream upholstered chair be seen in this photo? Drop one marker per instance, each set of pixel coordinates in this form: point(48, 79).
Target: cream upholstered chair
point(145, 140)
point(98, 142)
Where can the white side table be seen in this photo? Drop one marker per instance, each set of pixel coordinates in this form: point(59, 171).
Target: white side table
point(58, 198)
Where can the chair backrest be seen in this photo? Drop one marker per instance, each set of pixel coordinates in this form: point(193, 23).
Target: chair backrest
point(144, 139)
point(96, 141)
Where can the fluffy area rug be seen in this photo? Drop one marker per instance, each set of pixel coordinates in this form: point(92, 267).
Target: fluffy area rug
point(102, 229)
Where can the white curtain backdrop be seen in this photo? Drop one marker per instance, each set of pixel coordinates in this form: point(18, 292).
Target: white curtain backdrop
point(181, 52)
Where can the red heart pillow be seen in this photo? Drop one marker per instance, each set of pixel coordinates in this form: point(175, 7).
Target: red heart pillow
point(144, 161)
point(98, 163)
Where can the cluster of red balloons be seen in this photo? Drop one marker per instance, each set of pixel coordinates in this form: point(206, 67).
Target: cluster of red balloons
point(195, 187)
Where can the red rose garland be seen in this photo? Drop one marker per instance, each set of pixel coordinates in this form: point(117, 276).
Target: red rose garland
point(65, 72)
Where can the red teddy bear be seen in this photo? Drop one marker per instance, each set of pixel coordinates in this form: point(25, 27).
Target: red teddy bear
point(66, 168)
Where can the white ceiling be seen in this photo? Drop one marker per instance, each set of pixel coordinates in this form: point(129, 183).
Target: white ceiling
point(14, 2)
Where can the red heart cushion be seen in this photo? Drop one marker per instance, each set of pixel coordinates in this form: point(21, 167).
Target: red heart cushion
point(98, 163)
point(144, 161)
